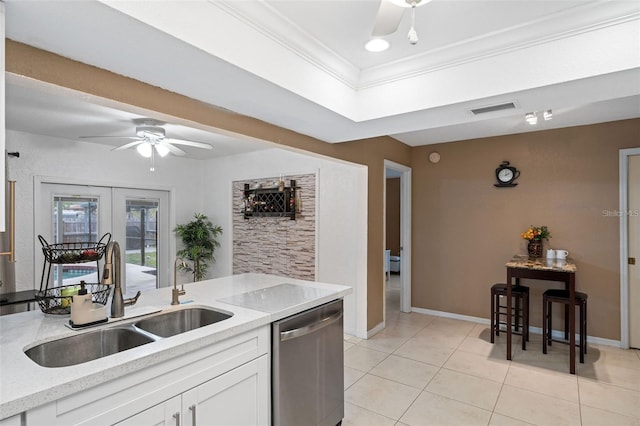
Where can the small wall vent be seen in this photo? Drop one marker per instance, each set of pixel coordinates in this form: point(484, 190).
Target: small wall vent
point(492, 108)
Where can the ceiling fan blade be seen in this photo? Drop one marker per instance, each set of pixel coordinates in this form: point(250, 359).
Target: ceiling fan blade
point(173, 149)
point(128, 145)
point(189, 143)
point(109, 137)
point(388, 18)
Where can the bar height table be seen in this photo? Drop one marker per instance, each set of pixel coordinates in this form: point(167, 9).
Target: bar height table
point(521, 266)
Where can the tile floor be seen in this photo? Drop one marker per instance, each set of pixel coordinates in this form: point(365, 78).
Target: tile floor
point(427, 370)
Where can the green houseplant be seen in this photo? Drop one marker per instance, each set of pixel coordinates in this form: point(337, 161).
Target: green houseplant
point(200, 240)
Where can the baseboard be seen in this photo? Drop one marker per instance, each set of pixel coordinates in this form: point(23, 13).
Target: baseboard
point(558, 334)
point(375, 330)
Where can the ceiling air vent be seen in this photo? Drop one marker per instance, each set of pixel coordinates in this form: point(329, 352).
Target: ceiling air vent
point(492, 108)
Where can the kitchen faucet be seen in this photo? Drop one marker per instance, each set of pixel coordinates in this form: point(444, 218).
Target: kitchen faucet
point(111, 275)
point(175, 293)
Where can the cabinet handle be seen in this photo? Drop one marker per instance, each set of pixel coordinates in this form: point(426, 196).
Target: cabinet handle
point(192, 408)
point(177, 417)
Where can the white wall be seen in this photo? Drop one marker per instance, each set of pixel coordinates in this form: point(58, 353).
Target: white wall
point(202, 186)
point(341, 215)
point(93, 164)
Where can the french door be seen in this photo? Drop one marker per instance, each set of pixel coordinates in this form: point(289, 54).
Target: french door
point(137, 219)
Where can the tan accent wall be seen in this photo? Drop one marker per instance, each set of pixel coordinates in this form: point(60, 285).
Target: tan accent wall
point(44, 66)
point(393, 216)
point(464, 228)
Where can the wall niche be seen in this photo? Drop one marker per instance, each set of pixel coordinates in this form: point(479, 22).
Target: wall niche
point(271, 244)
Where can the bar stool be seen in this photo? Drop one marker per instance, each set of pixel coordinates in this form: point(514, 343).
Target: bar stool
point(562, 296)
point(520, 309)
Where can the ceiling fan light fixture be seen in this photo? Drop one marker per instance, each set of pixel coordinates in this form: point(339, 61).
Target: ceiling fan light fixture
point(162, 150)
point(376, 45)
point(410, 3)
point(144, 149)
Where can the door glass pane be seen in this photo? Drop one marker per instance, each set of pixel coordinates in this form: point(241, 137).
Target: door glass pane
point(141, 244)
point(74, 219)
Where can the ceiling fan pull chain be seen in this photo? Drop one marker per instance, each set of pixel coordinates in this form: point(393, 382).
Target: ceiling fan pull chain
point(413, 35)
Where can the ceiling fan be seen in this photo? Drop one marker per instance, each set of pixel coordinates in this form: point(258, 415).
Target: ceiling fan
point(151, 139)
point(390, 14)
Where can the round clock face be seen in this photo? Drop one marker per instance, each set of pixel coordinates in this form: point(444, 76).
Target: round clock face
point(434, 157)
point(505, 175)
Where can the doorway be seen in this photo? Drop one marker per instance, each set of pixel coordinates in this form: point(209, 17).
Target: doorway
point(630, 248)
point(137, 219)
point(402, 262)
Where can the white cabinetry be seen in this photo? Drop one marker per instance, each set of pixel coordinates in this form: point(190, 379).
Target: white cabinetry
point(226, 383)
point(239, 397)
point(164, 414)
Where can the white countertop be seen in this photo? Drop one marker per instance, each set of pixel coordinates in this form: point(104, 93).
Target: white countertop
point(25, 385)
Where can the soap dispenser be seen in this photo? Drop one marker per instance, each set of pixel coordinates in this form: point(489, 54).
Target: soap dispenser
point(81, 303)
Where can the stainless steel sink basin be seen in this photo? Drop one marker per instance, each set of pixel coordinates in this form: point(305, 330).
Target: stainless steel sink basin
point(86, 347)
point(107, 341)
point(180, 321)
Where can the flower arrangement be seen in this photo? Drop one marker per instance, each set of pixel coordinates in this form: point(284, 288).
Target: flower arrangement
point(536, 233)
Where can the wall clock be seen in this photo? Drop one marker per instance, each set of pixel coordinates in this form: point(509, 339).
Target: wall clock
point(506, 175)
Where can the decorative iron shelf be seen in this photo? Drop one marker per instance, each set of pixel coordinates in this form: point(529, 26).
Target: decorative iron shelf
point(270, 202)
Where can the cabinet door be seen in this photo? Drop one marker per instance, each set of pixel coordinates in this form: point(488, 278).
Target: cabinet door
point(239, 397)
point(165, 414)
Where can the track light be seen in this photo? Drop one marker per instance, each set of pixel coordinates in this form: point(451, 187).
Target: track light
point(548, 115)
point(531, 118)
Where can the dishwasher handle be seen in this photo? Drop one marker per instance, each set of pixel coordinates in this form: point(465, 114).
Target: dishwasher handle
point(308, 329)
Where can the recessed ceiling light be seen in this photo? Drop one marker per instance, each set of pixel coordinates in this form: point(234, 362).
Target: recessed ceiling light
point(377, 45)
point(548, 115)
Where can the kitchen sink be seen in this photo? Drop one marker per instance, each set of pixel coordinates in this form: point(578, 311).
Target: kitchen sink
point(108, 341)
point(180, 321)
point(86, 347)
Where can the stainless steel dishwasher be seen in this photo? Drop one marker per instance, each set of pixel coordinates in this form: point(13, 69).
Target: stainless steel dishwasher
point(308, 368)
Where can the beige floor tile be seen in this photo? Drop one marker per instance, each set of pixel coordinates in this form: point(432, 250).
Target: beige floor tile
point(358, 416)
point(500, 420)
point(609, 397)
point(556, 384)
point(432, 409)
point(406, 371)
point(421, 350)
point(481, 393)
point(626, 358)
point(536, 408)
point(478, 365)
point(352, 339)
point(610, 372)
point(472, 344)
point(401, 329)
point(533, 357)
point(382, 396)
point(383, 342)
point(450, 325)
point(363, 359)
point(597, 417)
point(351, 376)
point(450, 338)
point(347, 345)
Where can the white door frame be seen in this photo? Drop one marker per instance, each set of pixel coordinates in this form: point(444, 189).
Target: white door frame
point(624, 245)
point(405, 231)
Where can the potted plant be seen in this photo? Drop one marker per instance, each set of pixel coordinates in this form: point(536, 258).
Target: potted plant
point(535, 235)
point(200, 240)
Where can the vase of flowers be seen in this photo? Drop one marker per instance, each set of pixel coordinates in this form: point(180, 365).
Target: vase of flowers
point(535, 235)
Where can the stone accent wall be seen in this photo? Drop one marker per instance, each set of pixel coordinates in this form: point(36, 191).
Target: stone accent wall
point(276, 245)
